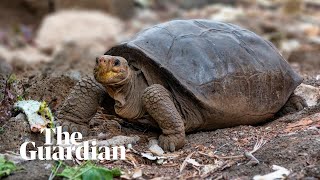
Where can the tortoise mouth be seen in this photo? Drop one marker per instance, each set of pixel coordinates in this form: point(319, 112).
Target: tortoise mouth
point(107, 73)
point(105, 76)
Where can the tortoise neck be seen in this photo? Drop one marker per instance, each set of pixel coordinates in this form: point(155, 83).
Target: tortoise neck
point(118, 91)
point(127, 97)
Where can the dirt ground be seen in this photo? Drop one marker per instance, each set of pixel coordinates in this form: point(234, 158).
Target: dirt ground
point(292, 141)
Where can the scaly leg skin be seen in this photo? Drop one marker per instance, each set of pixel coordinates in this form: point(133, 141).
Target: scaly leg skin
point(295, 103)
point(158, 103)
point(80, 106)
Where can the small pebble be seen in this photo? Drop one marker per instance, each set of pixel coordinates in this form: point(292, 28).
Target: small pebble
point(156, 150)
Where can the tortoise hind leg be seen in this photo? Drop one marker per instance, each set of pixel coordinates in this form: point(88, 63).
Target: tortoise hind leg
point(295, 103)
point(80, 106)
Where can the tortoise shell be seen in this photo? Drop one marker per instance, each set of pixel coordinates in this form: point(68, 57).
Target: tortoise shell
point(221, 65)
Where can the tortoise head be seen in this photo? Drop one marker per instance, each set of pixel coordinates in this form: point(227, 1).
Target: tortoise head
point(111, 70)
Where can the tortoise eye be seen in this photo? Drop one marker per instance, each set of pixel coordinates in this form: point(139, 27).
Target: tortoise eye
point(117, 62)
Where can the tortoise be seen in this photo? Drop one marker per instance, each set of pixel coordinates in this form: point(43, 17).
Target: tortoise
point(186, 76)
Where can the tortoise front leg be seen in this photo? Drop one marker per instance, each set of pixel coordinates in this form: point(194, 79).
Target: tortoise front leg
point(158, 103)
point(80, 106)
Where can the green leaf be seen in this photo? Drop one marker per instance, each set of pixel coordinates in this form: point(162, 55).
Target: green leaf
point(12, 78)
point(89, 171)
point(116, 172)
point(69, 173)
point(6, 167)
point(1, 130)
point(20, 98)
point(93, 174)
point(46, 113)
point(98, 173)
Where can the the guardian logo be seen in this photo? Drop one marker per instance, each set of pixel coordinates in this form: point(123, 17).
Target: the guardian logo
point(70, 145)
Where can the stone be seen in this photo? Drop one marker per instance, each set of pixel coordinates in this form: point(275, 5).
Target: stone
point(77, 26)
point(310, 93)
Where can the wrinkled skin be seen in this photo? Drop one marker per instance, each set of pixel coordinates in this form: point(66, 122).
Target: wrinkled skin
point(134, 98)
point(115, 75)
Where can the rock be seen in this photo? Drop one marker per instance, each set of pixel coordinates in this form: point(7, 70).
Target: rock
point(103, 135)
point(279, 173)
point(216, 12)
point(266, 3)
point(287, 46)
point(26, 54)
point(118, 141)
point(227, 13)
point(29, 54)
point(80, 27)
point(5, 54)
point(154, 148)
point(152, 142)
point(17, 131)
point(310, 93)
point(310, 29)
point(314, 40)
point(149, 156)
point(15, 158)
point(137, 173)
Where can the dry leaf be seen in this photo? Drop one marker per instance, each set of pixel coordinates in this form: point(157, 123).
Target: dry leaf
point(193, 162)
point(137, 173)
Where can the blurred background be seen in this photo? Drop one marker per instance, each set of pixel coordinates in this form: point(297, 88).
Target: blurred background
point(31, 30)
point(53, 43)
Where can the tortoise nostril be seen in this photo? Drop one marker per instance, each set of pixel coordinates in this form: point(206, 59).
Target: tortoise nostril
point(100, 60)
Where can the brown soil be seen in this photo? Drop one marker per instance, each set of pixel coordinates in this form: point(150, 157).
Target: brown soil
point(297, 148)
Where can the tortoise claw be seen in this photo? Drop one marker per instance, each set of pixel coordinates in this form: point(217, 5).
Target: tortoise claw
point(172, 142)
point(71, 127)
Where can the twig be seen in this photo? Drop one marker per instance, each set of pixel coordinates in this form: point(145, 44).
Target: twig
point(258, 145)
point(199, 172)
point(54, 172)
point(170, 165)
point(222, 157)
point(249, 155)
point(130, 162)
point(220, 147)
point(253, 160)
point(183, 165)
